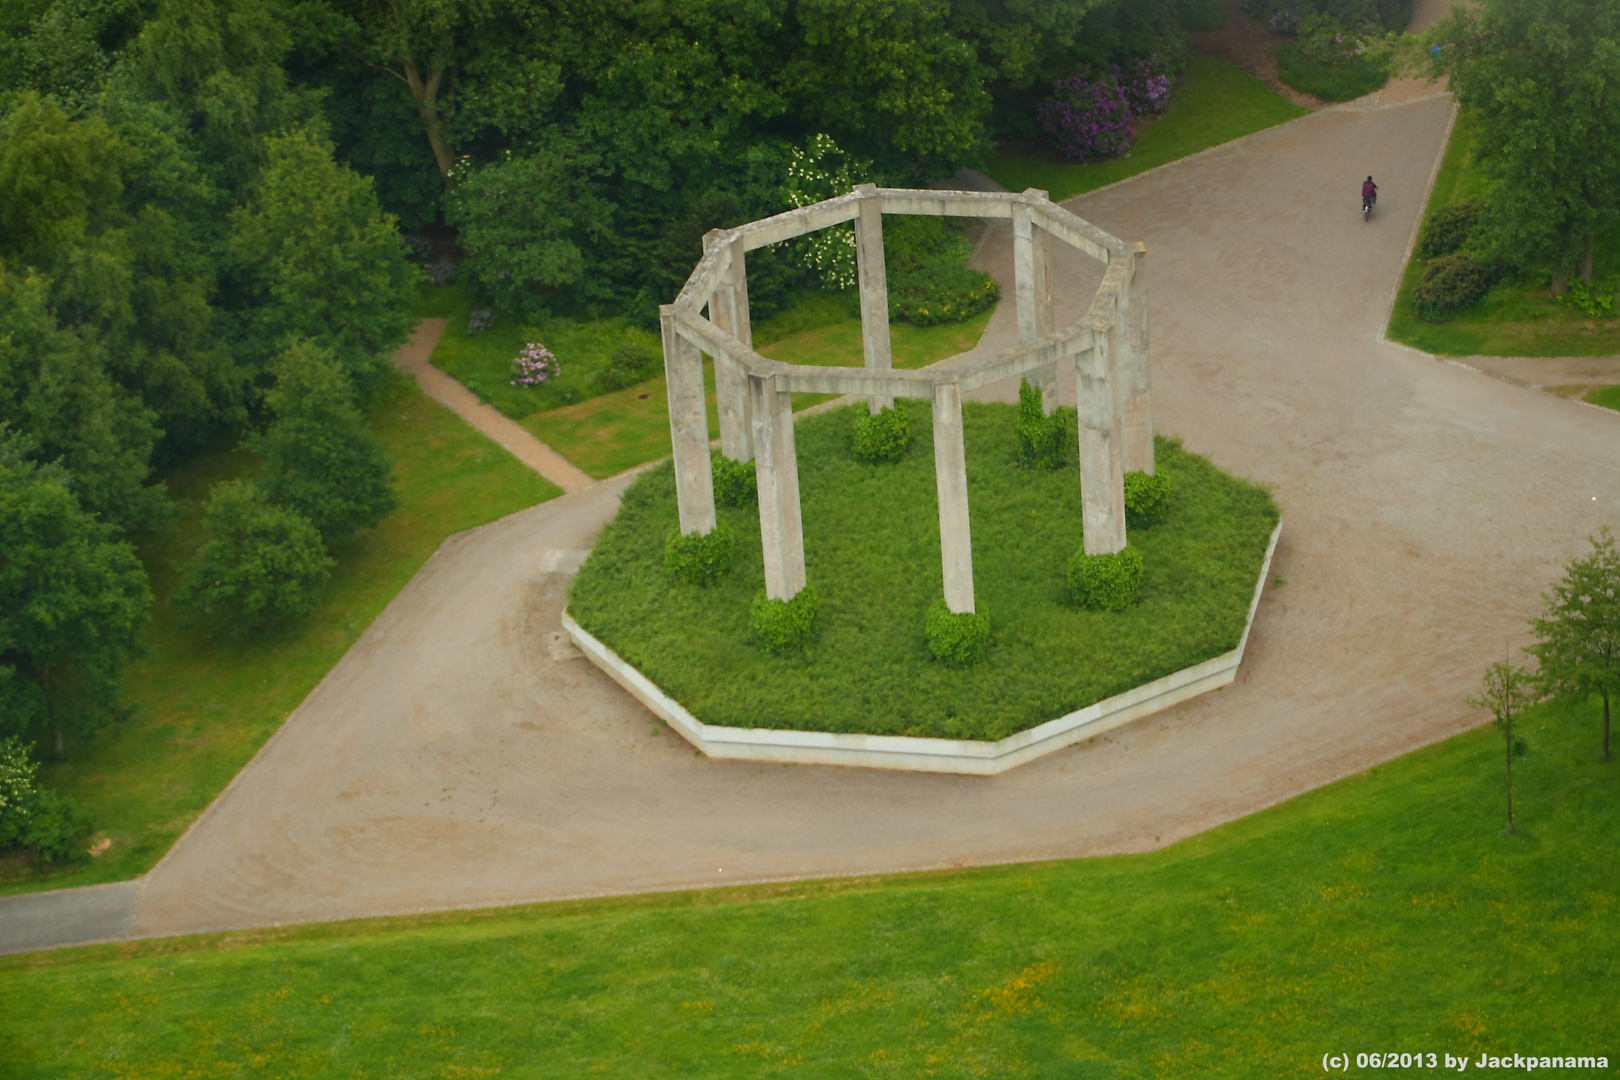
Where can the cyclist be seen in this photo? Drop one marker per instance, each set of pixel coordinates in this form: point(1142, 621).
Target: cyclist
point(1369, 195)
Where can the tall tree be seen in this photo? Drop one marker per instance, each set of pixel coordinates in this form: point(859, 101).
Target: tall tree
point(1505, 692)
point(73, 602)
point(1543, 77)
point(260, 565)
point(324, 263)
point(1578, 634)
point(320, 458)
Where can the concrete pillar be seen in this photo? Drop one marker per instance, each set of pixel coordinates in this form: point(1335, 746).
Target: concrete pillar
point(874, 285)
point(1102, 460)
point(1135, 370)
point(776, 465)
point(688, 427)
point(728, 310)
point(950, 480)
point(1032, 284)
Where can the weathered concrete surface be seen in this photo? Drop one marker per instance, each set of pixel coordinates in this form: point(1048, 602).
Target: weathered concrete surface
point(45, 920)
point(460, 755)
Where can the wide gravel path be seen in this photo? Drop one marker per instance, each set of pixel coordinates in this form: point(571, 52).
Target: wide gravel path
point(463, 754)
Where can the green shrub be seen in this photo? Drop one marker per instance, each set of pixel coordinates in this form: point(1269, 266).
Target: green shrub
point(626, 366)
point(941, 293)
point(911, 242)
point(34, 817)
point(1449, 228)
point(1147, 498)
point(1105, 582)
point(1043, 441)
point(786, 625)
point(1335, 83)
point(957, 639)
point(1450, 283)
point(883, 437)
point(260, 565)
point(1201, 15)
point(736, 483)
point(1590, 300)
point(699, 558)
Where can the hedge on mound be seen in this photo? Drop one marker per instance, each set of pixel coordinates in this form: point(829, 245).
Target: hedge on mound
point(872, 554)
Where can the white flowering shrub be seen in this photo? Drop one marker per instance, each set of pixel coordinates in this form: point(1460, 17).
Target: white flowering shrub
point(821, 171)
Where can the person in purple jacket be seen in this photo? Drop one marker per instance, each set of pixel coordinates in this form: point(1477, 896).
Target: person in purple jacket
point(1369, 194)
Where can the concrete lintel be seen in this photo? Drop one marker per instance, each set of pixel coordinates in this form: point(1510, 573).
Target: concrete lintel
point(688, 426)
point(906, 753)
point(1012, 363)
point(950, 482)
point(925, 202)
point(806, 219)
point(884, 384)
point(1076, 232)
point(776, 467)
point(1104, 310)
point(705, 276)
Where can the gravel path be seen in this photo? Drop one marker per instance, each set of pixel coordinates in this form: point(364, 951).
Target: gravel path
point(462, 754)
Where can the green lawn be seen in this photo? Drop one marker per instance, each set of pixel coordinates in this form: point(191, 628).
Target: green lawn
point(614, 432)
point(871, 536)
point(205, 705)
point(1387, 912)
point(1517, 318)
point(1215, 102)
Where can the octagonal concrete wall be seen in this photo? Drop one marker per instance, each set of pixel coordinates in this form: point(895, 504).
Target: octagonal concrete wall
point(927, 755)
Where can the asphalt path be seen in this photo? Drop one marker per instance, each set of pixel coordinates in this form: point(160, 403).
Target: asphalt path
point(463, 754)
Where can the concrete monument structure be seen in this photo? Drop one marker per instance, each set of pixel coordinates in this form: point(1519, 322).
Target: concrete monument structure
point(1108, 346)
point(1109, 349)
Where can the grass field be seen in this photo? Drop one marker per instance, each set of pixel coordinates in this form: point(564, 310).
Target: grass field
point(1517, 318)
point(1387, 912)
point(617, 431)
point(871, 535)
point(204, 705)
point(1215, 102)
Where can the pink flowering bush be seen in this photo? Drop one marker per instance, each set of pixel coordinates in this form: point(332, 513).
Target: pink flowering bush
point(1089, 114)
point(535, 365)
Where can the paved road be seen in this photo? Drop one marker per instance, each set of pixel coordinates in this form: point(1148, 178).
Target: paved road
point(462, 755)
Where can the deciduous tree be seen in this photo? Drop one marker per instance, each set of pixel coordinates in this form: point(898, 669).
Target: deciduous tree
point(1579, 631)
point(320, 458)
point(1505, 692)
point(74, 601)
point(1543, 77)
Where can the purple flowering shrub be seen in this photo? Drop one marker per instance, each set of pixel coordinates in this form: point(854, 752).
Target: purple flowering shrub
point(442, 273)
point(1089, 114)
point(479, 321)
point(534, 365)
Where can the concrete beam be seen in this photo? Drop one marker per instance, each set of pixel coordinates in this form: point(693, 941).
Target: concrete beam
point(923, 202)
point(1135, 368)
point(1102, 462)
point(688, 427)
point(776, 466)
point(728, 310)
point(874, 289)
point(950, 481)
point(806, 219)
point(1077, 232)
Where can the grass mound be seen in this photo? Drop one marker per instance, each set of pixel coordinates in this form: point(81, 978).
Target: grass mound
point(872, 553)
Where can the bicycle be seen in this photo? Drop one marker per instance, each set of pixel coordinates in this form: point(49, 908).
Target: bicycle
point(1367, 208)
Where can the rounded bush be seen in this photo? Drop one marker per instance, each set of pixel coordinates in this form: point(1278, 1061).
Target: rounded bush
point(786, 625)
point(736, 483)
point(1451, 283)
point(626, 366)
point(1105, 582)
point(883, 437)
point(1147, 498)
point(1043, 441)
point(699, 558)
point(1449, 228)
point(957, 639)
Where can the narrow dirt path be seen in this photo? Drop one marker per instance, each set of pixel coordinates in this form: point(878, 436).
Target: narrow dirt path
point(413, 359)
